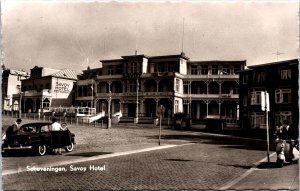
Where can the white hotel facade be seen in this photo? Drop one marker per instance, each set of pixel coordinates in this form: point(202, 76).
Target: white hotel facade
point(202, 89)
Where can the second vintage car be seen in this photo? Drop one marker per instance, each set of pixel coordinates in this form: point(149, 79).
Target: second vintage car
point(39, 138)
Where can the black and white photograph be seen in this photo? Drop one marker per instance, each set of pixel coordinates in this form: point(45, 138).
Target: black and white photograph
point(149, 95)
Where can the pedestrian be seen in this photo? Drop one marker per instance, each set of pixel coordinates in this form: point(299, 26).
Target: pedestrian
point(13, 128)
point(287, 131)
point(57, 138)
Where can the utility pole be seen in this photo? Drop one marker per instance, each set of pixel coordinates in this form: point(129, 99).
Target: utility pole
point(182, 40)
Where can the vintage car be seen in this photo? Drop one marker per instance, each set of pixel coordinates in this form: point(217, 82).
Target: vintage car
point(39, 138)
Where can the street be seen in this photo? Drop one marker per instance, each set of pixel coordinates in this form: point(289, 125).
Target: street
point(129, 158)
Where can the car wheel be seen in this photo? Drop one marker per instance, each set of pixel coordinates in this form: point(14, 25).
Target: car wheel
point(69, 148)
point(41, 150)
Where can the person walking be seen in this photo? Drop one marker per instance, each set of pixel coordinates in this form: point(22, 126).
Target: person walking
point(13, 128)
point(56, 138)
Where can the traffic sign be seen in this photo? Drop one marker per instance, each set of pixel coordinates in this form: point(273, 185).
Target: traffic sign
point(161, 109)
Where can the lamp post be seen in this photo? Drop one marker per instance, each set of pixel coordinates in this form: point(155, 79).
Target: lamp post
point(92, 96)
point(20, 100)
point(109, 103)
point(137, 101)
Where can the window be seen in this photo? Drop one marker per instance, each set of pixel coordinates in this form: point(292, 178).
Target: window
point(214, 69)
point(171, 67)
point(45, 128)
point(285, 74)
point(245, 78)
point(245, 100)
point(161, 67)
point(119, 69)
point(194, 70)
point(176, 105)
point(258, 119)
point(283, 96)
point(204, 70)
point(283, 115)
point(47, 104)
point(236, 68)
point(133, 67)
point(110, 70)
point(132, 86)
point(19, 78)
point(177, 85)
point(226, 70)
point(259, 76)
point(255, 98)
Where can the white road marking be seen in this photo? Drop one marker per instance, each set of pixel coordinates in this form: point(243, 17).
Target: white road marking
point(84, 159)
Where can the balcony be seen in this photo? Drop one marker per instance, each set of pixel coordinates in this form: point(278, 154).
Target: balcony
point(213, 77)
point(43, 92)
point(108, 77)
point(213, 96)
point(157, 94)
point(113, 95)
point(158, 74)
point(85, 82)
point(126, 94)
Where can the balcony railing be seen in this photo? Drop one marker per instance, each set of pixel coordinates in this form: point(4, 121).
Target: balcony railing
point(134, 94)
point(107, 77)
point(212, 76)
point(43, 92)
point(234, 96)
point(158, 74)
point(85, 82)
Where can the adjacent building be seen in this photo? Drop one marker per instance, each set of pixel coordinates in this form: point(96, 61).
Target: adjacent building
point(280, 80)
point(135, 85)
point(46, 88)
point(11, 84)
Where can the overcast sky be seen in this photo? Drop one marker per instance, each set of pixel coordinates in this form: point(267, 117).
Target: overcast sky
point(76, 35)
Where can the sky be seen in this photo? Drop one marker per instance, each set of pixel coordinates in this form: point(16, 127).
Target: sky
point(77, 34)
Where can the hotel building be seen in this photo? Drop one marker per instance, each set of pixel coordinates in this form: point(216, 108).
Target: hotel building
point(135, 85)
point(46, 88)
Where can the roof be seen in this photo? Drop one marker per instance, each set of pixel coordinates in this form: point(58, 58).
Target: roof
point(135, 56)
point(292, 61)
point(182, 55)
point(17, 72)
point(219, 61)
point(66, 73)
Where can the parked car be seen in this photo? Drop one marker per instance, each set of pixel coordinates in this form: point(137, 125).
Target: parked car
point(39, 138)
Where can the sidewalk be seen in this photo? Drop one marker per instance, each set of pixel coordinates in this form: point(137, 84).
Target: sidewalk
point(268, 176)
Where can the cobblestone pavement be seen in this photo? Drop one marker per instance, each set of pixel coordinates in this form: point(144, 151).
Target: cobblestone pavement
point(92, 141)
point(211, 162)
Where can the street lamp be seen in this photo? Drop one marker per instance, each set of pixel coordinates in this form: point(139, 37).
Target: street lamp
point(137, 101)
point(109, 103)
point(92, 96)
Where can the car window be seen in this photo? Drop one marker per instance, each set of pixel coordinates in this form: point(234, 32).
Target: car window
point(28, 129)
point(45, 128)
